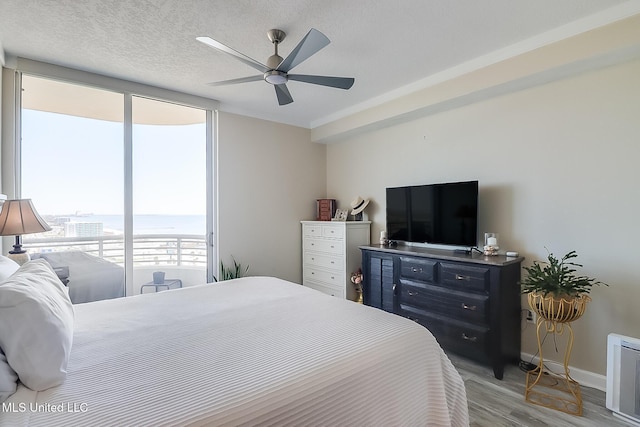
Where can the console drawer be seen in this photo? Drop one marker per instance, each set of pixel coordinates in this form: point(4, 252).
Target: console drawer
point(418, 269)
point(457, 305)
point(463, 338)
point(465, 276)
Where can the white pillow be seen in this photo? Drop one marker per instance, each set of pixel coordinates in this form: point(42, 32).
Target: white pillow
point(8, 379)
point(36, 325)
point(7, 267)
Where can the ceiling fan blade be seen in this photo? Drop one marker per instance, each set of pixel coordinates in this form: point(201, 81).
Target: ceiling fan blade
point(239, 80)
point(226, 49)
point(337, 82)
point(310, 44)
point(284, 97)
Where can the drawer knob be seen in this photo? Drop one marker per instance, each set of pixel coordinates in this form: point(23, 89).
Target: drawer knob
point(468, 338)
point(412, 294)
point(461, 277)
point(469, 307)
point(394, 289)
point(416, 270)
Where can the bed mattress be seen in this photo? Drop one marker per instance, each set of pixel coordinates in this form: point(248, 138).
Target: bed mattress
point(251, 351)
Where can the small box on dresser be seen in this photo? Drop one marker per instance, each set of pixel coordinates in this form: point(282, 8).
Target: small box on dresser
point(330, 253)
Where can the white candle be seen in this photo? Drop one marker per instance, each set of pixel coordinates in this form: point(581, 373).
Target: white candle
point(492, 241)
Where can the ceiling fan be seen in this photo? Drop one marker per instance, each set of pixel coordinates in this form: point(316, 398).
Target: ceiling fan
point(276, 70)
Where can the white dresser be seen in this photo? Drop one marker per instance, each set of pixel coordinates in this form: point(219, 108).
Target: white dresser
point(330, 254)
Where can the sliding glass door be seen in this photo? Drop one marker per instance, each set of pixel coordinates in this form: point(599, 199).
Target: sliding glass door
point(169, 195)
point(124, 181)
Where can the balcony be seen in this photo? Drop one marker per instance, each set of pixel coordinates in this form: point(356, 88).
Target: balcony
point(179, 256)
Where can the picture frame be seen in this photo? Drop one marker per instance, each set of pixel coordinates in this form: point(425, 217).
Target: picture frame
point(340, 215)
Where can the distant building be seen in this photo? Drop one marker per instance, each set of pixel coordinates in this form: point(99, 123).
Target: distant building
point(83, 229)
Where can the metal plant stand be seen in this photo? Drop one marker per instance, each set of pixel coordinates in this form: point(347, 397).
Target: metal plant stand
point(545, 388)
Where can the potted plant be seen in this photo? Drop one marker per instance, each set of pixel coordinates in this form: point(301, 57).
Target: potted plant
point(555, 291)
point(228, 272)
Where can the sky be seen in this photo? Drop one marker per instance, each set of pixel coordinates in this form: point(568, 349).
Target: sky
point(72, 164)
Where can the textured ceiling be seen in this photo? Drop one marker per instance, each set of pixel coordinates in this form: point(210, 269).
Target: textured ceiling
point(384, 45)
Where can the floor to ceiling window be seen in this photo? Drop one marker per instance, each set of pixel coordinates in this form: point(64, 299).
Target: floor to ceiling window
point(169, 194)
point(125, 210)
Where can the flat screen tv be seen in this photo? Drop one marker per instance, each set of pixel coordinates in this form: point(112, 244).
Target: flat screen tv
point(445, 214)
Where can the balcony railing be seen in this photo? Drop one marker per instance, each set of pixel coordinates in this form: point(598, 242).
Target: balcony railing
point(148, 249)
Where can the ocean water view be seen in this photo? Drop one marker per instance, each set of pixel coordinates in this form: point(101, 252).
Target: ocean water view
point(142, 224)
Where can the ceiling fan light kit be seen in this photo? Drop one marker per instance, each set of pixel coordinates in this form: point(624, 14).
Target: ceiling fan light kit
point(276, 70)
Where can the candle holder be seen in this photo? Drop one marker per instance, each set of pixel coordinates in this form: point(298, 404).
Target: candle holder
point(491, 244)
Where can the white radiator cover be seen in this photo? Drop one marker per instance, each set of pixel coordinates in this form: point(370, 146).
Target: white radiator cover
point(623, 377)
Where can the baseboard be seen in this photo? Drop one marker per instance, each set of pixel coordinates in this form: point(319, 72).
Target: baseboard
point(585, 378)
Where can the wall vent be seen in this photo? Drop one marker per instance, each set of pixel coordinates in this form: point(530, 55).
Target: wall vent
point(623, 377)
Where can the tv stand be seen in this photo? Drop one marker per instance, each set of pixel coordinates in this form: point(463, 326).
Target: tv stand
point(462, 251)
point(469, 302)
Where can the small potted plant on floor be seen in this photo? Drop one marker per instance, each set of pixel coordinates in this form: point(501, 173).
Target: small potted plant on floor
point(555, 291)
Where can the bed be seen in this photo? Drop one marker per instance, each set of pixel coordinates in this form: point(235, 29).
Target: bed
point(250, 351)
point(91, 278)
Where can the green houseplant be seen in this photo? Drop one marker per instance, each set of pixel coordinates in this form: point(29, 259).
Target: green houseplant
point(228, 272)
point(555, 290)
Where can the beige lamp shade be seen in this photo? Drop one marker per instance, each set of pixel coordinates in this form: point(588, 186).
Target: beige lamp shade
point(19, 217)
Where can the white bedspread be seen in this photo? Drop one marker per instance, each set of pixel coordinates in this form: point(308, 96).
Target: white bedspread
point(253, 351)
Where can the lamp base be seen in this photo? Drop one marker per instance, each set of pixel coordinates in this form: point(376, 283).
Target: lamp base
point(20, 258)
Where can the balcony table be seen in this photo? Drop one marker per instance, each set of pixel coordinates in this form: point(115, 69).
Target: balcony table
point(168, 283)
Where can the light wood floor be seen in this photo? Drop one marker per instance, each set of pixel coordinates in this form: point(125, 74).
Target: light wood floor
point(499, 403)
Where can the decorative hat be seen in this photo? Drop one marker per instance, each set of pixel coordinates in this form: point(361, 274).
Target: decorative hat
point(358, 205)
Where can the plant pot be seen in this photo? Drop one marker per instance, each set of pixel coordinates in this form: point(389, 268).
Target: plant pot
point(563, 308)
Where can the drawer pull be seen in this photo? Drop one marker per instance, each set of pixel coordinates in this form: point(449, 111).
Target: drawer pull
point(461, 277)
point(394, 289)
point(332, 246)
point(412, 294)
point(333, 278)
point(468, 338)
point(416, 270)
point(469, 307)
point(332, 262)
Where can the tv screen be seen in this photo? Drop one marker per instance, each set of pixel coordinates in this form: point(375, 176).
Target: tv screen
point(436, 213)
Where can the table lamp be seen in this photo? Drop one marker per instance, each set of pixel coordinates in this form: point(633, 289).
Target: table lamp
point(19, 217)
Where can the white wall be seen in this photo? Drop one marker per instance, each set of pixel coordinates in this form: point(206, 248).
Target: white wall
point(557, 166)
point(269, 178)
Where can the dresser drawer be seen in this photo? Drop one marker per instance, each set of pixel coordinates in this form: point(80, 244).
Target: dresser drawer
point(325, 277)
point(466, 339)
point(312, 230)
point(334, 232)
point(461, 276)
point(334, 292)
point(457, 305)
point(320, 260)
point(329, 246)
point(418, 269)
